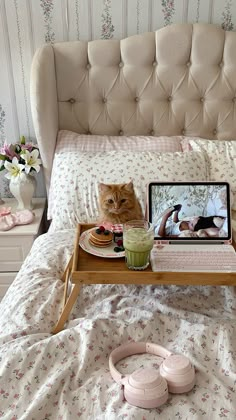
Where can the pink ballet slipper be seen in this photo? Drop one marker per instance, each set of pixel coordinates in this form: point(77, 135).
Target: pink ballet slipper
point(23, 217)
point(6, 222)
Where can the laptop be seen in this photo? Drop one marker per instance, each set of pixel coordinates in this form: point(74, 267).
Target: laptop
point(192, 223)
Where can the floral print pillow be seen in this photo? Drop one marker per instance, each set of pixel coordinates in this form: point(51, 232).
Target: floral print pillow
point(73, 195)
point(222, 160)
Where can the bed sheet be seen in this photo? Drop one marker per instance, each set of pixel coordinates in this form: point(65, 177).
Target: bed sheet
point(66, 376)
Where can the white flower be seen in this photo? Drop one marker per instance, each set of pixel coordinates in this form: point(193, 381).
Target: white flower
point(31, 160)
point(14, 169)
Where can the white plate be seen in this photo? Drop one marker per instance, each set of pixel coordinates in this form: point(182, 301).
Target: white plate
point(107, 252)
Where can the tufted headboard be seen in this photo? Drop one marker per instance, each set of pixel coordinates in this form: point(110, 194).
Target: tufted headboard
point(179, 80)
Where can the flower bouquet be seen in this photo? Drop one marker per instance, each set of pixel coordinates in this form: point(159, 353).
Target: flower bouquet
point(20, 160)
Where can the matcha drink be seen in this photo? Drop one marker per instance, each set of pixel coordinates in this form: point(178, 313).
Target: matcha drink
point(138, 241)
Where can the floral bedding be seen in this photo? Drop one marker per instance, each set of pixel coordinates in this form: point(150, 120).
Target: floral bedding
point(66, 376)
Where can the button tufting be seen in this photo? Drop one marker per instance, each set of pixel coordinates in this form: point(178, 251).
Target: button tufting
point(121, 64)
point(152, 132)
point(71, 100)
point(202, 99)
point(121, 133)
point(221, 64)
point(183, 132)
point(215, 131)
point(88, 132)
point(188, 64)
point(170, 98)
point(104, 100)
point(137, 99)
point(88, 66)
point(234, 99)
point(154, 63)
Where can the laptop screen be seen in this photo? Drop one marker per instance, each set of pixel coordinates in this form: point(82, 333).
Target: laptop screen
point(189, 211)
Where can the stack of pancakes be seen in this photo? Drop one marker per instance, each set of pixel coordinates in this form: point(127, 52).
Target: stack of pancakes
point(102, 239)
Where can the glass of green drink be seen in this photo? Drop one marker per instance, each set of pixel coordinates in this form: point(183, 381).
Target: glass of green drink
point(138, 240)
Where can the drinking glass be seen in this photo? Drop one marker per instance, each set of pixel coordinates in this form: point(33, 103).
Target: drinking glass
point(138, 240)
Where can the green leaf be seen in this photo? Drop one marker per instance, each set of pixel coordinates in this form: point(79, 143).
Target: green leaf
point(3, 157)
point(22, 139)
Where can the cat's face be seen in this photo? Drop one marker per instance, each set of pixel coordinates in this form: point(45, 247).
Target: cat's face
point(116, 198)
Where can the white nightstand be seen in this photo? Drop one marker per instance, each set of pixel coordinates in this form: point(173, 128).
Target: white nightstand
point(15, 243)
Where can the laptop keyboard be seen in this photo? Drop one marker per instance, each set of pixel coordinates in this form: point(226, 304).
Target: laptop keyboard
point(208, 260)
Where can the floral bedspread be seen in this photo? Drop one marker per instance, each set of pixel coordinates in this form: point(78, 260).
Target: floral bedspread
point(66, 376)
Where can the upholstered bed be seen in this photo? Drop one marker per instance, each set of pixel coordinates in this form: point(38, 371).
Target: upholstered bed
point(153, 106)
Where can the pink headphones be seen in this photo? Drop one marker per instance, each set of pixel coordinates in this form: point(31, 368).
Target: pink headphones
point(148, 388)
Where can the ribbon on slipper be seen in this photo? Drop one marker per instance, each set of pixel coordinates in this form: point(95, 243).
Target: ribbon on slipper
point(5, 210)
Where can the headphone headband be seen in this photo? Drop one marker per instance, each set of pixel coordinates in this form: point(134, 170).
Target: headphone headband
point(126, 350)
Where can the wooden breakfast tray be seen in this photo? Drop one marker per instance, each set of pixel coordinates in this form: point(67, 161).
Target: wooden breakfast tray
point(85, 268)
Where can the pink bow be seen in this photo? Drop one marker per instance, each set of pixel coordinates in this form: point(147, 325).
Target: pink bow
point(5, 210)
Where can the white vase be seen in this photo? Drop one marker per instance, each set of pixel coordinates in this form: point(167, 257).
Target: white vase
point(23, 190)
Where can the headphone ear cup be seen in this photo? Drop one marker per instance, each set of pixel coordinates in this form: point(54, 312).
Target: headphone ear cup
point(146, 388)
point(179, 373)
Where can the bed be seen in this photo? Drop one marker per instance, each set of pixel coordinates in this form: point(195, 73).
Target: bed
point(156, 105)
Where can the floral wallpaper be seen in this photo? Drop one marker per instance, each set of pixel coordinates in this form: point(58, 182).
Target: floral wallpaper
point(2, 123)
point(27, 24)
point(107, 28)
point(168, 10)
point(227, 23)
point(47, 9)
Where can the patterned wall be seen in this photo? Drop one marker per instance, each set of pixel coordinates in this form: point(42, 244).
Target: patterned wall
point(27, 24)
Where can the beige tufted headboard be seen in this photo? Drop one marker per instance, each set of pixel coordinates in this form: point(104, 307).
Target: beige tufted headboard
point(178, 80)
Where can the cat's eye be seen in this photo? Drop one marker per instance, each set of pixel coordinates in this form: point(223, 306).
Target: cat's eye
point(110, 201)
point(123, 200)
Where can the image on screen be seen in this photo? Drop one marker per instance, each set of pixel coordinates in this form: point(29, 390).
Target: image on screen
point(190, 211)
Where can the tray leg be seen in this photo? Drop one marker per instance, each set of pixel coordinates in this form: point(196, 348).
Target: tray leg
point(68, 268)
point(67, 278)
point(66, 309)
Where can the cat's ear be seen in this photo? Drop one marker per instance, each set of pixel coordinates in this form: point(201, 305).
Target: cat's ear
point(103, 187)
point(129, 186)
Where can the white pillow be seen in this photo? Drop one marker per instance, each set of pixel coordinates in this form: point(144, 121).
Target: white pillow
point(68, 141)
point(73, 195)
point(222, 160)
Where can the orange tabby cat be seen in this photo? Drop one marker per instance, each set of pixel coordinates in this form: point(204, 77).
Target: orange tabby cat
point(118, 203)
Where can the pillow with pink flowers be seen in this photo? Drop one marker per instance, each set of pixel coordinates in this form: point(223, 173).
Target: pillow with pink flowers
point(73, 194)
point(222, 160)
